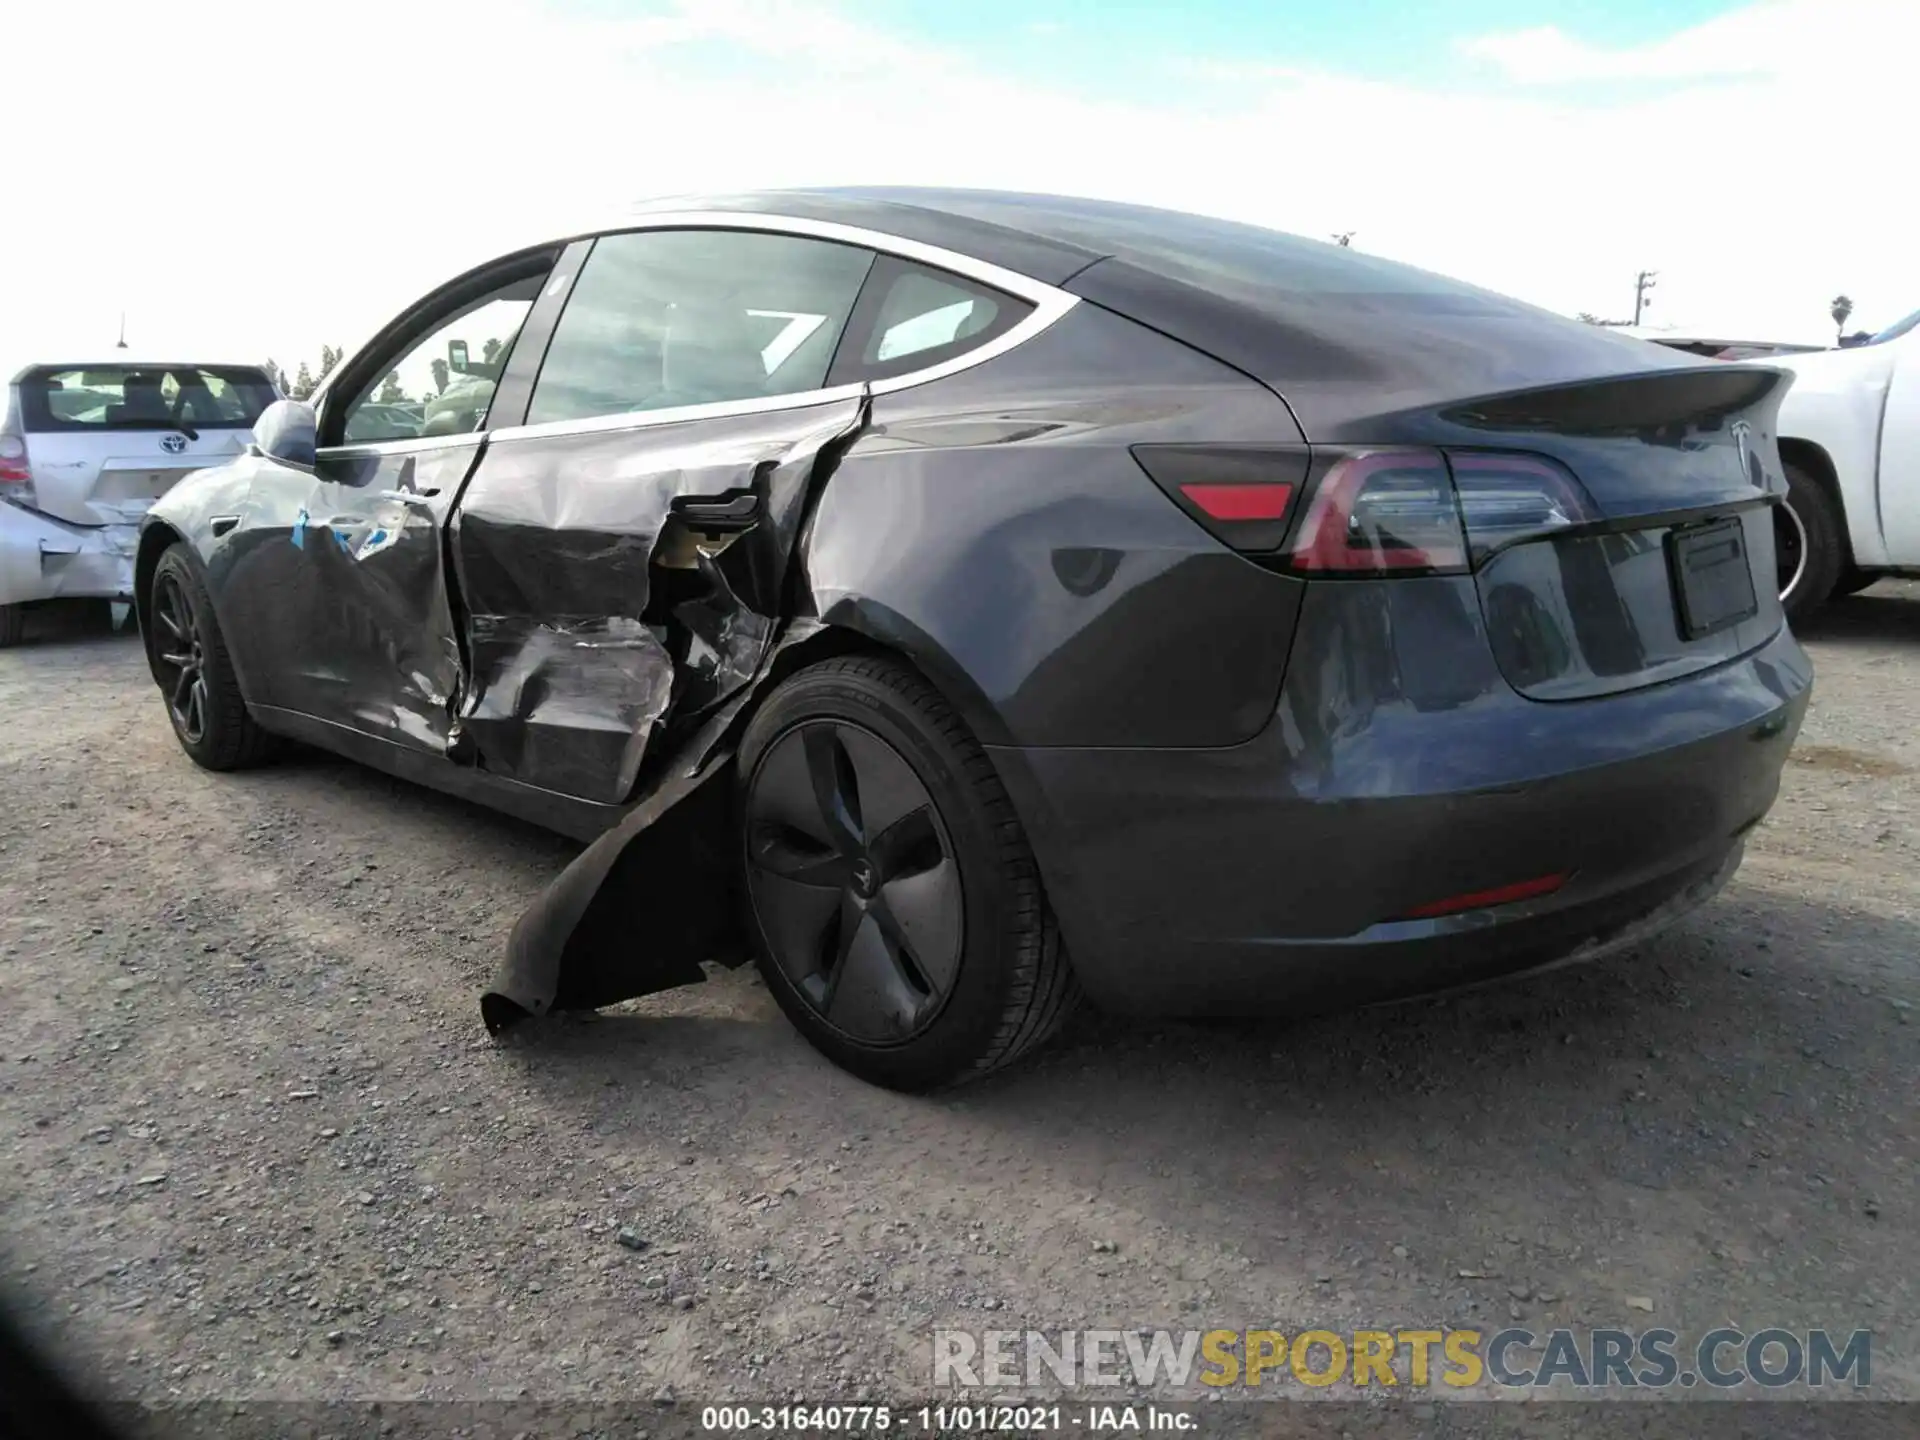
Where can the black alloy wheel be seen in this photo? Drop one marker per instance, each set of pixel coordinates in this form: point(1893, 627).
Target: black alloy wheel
point(189, 660)
point(180, 657)
point(896, 910)
point(852, 876)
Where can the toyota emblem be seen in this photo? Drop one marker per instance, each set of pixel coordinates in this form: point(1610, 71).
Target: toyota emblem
point(173, 444)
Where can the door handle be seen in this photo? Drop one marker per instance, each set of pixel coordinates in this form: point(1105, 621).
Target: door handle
point(734, 510)
point(416, 498)
point(222, 524)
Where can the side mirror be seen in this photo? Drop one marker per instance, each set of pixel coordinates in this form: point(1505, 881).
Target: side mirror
point(286, 432)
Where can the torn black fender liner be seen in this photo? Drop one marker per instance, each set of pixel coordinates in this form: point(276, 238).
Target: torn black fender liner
point(635, 913)
point(641, 907)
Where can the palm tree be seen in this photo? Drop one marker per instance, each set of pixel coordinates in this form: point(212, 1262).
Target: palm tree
point(1841, 308)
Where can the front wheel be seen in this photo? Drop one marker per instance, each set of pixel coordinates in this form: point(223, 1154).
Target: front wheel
point(195, 674)
point(1809, 544)
point(894, 905)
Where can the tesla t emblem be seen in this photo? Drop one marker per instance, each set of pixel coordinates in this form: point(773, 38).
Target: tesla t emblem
point(173, 444)
point(1749, 461)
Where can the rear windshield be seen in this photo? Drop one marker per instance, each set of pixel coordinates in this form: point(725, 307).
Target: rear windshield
point(143, 397)
point(1339, 333)
point(1278, 273)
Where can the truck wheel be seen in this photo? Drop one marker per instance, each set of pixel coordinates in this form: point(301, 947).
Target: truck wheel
point(1809, 545)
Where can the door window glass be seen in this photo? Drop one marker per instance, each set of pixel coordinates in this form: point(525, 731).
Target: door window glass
point(664, 318)
point(443, 384)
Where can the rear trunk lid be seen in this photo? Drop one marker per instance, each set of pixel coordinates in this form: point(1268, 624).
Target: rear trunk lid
point(1671, 568)
point(104, 441)
point(1634, 587)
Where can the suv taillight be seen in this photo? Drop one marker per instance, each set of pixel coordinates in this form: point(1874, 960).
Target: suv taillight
point(16, 475)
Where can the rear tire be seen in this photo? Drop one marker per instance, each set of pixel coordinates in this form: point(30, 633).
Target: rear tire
point(1810, 541)
point(920, 890)
point(13, 625)
point(195, 673)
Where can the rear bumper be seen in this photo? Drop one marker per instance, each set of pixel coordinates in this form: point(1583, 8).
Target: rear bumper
point(46, 559)
point(1268, 875)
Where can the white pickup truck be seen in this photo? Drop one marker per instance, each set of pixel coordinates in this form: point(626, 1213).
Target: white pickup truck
point(1850, 439)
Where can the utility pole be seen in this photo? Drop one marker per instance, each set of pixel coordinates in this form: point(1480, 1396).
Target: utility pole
point(1641, 286)
point(123, 331)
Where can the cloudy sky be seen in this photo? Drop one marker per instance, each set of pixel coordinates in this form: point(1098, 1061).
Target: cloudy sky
point(255, 179)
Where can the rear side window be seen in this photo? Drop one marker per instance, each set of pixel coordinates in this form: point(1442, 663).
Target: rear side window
point(664, 318)
point(913, 317)
point(143, 397)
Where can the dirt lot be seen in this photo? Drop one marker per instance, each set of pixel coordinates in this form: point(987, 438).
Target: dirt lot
point(257, 1144)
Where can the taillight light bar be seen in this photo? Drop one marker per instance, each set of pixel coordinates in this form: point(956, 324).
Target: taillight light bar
point(1381, 512)
point(1508, 497)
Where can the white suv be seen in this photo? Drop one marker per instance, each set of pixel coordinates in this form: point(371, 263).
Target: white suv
point(86, 447)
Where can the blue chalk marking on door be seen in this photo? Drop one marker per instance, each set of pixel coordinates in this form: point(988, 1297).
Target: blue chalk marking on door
point(300, 531)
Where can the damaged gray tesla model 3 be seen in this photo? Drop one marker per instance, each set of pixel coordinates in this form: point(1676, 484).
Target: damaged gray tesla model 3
point(959, 601)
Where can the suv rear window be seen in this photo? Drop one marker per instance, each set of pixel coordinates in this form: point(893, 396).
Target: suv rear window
point(143, 397)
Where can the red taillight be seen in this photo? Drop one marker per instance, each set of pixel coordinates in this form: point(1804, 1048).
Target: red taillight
point(14, 469)
point(1242, 494)
point(1241, 502)
point(1380, 512)
point(1387, 511)
point(1487, 899)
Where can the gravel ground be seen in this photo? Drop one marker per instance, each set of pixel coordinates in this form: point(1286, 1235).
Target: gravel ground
point(256, 1143)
